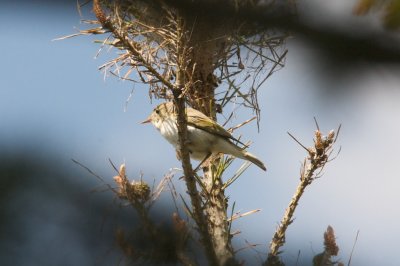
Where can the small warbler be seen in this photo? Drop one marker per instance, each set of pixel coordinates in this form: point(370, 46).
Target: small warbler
point(205, 136)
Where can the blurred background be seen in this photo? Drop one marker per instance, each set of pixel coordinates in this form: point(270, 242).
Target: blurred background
point(56, 106)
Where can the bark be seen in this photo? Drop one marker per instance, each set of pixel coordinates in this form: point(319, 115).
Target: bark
point(207, 45)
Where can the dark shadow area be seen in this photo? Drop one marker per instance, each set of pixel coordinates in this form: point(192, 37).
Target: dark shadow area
point(343, 46)
point(50, 216)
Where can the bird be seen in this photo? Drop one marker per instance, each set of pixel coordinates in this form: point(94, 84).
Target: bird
point(205, 136)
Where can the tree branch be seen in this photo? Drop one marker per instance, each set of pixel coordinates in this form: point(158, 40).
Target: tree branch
point(198, 214)
point(318, 156)
point(128, 44)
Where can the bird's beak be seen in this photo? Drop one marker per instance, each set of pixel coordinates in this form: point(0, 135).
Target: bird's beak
point(148, 120)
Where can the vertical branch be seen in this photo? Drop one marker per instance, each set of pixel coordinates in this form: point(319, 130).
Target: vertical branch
point(179, 101)
point(216, 209)
point(198, 214)
point(318, 156)
point(196, 54)
point(280, 234)
point(204, 48)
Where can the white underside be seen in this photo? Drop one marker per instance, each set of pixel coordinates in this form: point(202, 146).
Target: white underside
point(201, 143)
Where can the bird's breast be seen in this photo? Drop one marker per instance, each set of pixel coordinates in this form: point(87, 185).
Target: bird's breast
point(169, 131)
point(200, 142)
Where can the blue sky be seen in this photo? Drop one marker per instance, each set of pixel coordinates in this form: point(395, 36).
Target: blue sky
point(52, 97)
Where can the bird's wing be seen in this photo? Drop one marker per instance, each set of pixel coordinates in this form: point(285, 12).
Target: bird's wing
point(199, 120)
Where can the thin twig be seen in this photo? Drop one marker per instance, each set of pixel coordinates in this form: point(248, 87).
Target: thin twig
point(94, 174)
point(240, 215)
point(352, 249)
point(298, 142)
point(242, 124)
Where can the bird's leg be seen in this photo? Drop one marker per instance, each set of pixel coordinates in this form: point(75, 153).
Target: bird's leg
point(205, 159)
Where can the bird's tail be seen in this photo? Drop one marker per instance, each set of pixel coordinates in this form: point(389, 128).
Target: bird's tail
point(250, 157)
point(239, 152)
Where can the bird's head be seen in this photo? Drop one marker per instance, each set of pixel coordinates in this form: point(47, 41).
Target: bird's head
point(161, 113)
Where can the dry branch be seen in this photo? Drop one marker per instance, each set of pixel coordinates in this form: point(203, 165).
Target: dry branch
point(318, 156)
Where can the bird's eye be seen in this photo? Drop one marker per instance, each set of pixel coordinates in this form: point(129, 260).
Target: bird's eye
point(157, 111)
